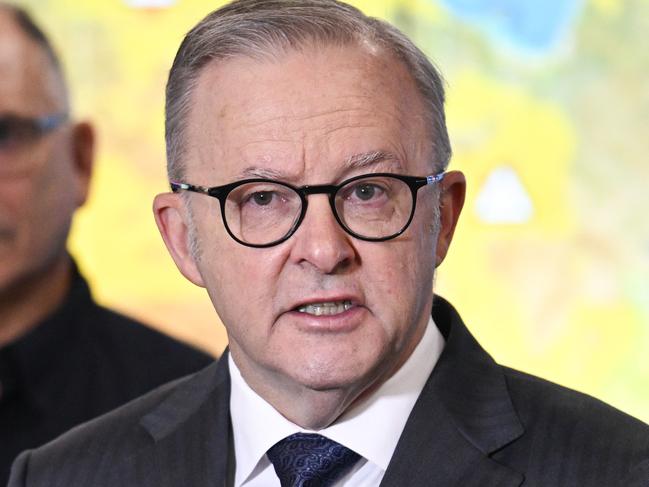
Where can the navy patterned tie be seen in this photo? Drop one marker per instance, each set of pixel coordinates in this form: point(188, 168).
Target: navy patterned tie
point(310, 460)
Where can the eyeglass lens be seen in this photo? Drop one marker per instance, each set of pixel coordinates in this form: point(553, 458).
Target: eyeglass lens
point(16, 132)
point(373, 207)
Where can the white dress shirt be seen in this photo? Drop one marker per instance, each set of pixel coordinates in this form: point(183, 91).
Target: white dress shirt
point(371, 429)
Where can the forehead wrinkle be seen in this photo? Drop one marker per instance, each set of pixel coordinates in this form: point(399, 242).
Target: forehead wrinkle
point(358, 161)
point(249, 146)
point(359, 125)
point(283, 119)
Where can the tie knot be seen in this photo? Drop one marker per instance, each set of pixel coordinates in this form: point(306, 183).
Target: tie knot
point(310, 460)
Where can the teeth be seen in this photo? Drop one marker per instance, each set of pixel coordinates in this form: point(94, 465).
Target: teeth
point(326, 309)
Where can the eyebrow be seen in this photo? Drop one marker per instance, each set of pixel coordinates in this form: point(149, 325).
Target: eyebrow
point(261, 172)
point(357, 161)
point(365, 159)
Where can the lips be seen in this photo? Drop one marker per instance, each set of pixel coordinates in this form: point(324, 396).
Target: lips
point(327, 308)
point(327, 313)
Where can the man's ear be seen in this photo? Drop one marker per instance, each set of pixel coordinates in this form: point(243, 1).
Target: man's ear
point(172, 218)
point(451, 200)
point(82, 155)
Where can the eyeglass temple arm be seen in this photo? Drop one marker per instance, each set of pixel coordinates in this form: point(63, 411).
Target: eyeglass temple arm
point(178, 186)
point(436, 178)
point(50, 122)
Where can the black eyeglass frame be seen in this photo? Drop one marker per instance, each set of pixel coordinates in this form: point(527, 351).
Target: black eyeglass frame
point(221, 193)
point(39, 126)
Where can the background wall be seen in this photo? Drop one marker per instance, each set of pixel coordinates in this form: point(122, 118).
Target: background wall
point(548, 110)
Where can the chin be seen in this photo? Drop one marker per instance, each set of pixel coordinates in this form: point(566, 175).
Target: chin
point(334, 373)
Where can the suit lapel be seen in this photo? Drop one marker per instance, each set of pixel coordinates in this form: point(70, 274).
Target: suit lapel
point(462, 416)
point(191, 434)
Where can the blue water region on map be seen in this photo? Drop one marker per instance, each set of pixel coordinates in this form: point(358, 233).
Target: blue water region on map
point(534, 27)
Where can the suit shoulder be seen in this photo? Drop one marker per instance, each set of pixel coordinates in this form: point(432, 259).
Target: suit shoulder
point(123, 419)
point(542, 404)
point(117, 434)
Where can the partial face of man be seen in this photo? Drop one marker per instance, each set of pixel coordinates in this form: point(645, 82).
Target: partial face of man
point(37, 201)
point(306, 118)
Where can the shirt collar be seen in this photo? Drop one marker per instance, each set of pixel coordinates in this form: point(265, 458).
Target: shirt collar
point(257, 425)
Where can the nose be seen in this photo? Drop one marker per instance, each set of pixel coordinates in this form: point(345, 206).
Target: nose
point(320, 242)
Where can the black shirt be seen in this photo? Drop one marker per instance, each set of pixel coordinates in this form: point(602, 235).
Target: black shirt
point(80, 362)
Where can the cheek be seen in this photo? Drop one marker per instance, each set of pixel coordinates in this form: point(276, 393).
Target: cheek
point(30, 208)
point(425, 231)
point(399, 275)
point(15, 199)
point(241, 281)
point(413, 255)
point(392, 273)
point(54, 200)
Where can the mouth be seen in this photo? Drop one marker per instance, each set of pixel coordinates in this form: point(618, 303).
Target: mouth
point(327, 308)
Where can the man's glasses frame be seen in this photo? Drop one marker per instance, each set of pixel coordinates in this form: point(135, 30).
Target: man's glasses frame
point(221, 193)
point(18, 132)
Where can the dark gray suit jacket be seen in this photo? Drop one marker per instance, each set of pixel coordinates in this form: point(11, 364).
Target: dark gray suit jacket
point(476, 424)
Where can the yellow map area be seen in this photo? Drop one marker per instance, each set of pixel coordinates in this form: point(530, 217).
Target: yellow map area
point(550, 262)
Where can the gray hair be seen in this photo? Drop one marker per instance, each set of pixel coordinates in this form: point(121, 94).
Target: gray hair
point(254, 28)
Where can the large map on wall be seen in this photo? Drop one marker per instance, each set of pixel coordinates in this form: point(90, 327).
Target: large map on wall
point(548, 111)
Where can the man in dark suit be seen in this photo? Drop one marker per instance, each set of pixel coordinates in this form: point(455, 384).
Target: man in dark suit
point(307, 153)
point(63, 358)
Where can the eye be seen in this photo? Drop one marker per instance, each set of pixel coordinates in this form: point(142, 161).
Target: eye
point(15, 131)
point(366, 191)
point(262, 198)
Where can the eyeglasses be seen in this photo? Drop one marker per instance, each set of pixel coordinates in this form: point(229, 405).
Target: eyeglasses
point(18, 133)
point(263, 212)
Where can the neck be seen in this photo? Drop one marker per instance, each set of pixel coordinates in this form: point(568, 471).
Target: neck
point(308, 408)
point(25, 304)
point(315, 409)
